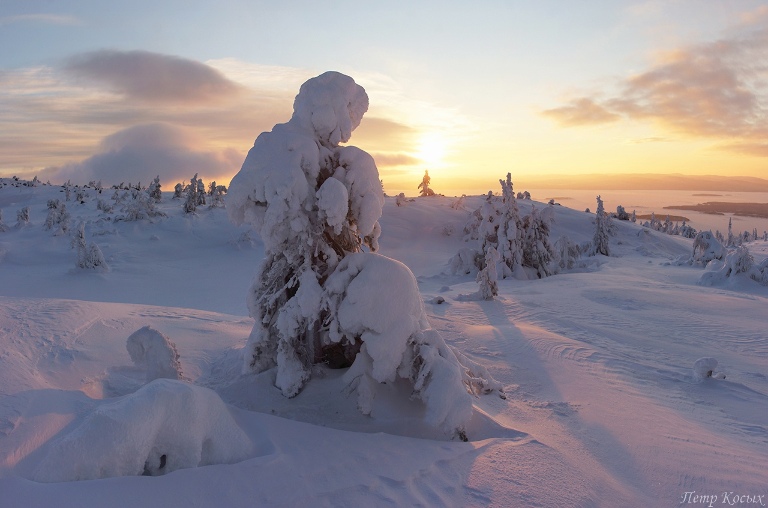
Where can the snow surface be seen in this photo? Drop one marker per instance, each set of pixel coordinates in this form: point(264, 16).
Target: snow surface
point(602, 407)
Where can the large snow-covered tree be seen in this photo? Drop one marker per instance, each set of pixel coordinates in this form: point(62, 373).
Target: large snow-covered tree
point(312, 201)
point(318, 296)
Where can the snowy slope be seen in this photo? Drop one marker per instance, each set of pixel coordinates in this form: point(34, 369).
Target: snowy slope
point(602, 406)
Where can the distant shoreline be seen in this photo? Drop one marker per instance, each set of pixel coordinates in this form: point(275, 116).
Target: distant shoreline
point(757, 210)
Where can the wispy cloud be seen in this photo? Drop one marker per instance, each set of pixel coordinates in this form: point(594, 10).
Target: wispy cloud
point(581, 111)
point(715, 90)
point(153, 77)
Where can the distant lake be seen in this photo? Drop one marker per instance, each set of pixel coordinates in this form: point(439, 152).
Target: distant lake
point(646, 202)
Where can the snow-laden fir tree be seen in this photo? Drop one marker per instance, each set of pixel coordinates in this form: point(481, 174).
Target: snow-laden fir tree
point(538, 252)
point(192, 199)
point(89, 255)
point(22, 217)
point(177, 191)
point(424, 186)
point(58, 219)
point(510, 232)
point(155, 190)
point(602, 231)
point(488, 277)
point(317, 296)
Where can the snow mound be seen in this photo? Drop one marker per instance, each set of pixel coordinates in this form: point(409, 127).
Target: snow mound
point(704, 368)
point(154, 351)
point(164, 426)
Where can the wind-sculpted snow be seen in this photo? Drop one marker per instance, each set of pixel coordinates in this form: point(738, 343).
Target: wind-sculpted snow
point(164, 426)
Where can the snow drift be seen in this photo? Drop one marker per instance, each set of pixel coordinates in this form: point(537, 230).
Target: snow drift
point(164, 426)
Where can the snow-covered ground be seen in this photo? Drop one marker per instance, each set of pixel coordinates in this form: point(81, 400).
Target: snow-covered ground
point(603, 405)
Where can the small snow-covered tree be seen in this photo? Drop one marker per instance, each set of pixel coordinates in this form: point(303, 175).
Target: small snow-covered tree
point(424, 186)
point(706, 247)
point(567, 253)
point(600, 241)
point(22, 217)
point(177, 191)
point(192, 200)
point(488, 278)
point(538, 253)
point(3, 227)
point(217, 195)
point(58, 219)
point(89, 256)
point(155, 190)
point(140, 207)
point(621, 213)
point(510, 231)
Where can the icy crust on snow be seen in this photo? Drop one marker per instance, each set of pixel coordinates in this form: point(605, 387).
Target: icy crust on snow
point(376, 299)
point(164, 426)
point(154, 351)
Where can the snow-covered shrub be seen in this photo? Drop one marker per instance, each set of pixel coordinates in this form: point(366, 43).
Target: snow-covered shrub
point(164, 426)
point(737, 261)
point(459, 203)
point(217, 192)
point(424, 186)
point(22, 217)
point(89, 256)
point(375, 301)
point(466, 262)
point(621, 213)
point(104, 206)
point(400, 199)
point(154, 351)
point(58, 219)
point(706, 248)
point(567, 253)
point(704, 368)
point(600, 241)
point(140, 207)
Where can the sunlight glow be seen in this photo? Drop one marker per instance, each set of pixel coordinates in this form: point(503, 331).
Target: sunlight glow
point(432, 148)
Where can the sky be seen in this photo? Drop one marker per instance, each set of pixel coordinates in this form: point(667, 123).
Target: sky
point(124, 91)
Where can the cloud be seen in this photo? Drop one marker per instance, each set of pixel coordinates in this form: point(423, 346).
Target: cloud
point(583, 111)
point(395, 159)
point(141, 152)
point(712, 90)
point(153, 77)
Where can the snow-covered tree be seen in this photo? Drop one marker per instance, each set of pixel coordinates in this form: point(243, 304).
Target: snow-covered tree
point(567, 253)
point(313, 202)
point(89, 256)
point(731, 240)
point(510, 231)
point(621, 213)
point(58, 219)
point(633, 218)
point(424, 186)
point(538, 252)
point(22, 217)
point(706, 247)
point(155, 190)
point(3, 227)
point(192, 199)
point(317, 296)
point(217, 193)
point(177, 191)
point(141, 207)
point(600, 241)
point(488, 277)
